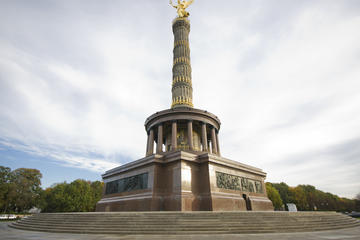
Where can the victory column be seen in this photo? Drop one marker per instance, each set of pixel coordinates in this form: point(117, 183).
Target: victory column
point(183, 169)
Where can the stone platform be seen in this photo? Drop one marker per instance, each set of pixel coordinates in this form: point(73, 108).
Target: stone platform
point(186, 223)
point(184, 181)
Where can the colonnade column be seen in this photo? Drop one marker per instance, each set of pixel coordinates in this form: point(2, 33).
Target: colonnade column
point(173, 135)
point(213, 141)
point(159, 139)
point(204, 137)
point(150, 149)
point(147, 144)
point(190, 135)
point(217, 143)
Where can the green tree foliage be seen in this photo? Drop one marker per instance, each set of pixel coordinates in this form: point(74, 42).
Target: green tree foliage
point(308, 198)
point(19, 189)
point(97, 188)
point(297, 196)
point(284, 191)
point(311, 196)
point(5, 175)
point(77, 196)
point(27, 182)
point(274, 196)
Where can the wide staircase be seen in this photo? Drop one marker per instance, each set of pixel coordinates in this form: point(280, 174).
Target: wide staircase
point(170, 223)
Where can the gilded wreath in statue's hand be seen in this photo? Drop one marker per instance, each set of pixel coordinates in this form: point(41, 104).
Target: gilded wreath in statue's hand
point(182, 5)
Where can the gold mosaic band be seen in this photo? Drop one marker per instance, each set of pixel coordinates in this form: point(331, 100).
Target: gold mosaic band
point(180, 101)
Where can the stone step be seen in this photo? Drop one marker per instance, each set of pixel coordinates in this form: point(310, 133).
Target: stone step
point(275, 213)
point(167, 232)
point(181, 222)
point(185, 222)
point(249, 213)
point(190, 218)
point(161, 230)
point(164, 222)
point(99, 222)
point(186, 219)
point(184, 226)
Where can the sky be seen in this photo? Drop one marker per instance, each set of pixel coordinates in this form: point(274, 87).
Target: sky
point(79, 78)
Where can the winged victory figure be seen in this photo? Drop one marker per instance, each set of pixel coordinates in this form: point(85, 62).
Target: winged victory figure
point(180, 8)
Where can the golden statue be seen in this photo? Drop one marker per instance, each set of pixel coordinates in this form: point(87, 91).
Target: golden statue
point(180, 8)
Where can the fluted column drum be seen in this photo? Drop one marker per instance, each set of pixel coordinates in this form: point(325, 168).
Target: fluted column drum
point(181, 84)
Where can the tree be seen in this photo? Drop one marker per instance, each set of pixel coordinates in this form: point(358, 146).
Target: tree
point(310, 193)
point(77, 196)
point(53, 198)
point(298, 197)
point(274, 196)
point(5, 176)
point(283, 190)
point(19, 189)
point(26, 184)
point(97, 189)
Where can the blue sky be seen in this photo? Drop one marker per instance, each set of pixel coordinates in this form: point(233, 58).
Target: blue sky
point(78, 79)
point(52, 172)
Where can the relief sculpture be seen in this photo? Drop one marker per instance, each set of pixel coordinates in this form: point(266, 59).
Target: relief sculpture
point(128, 184)
point(232, 182)
point(244, 184)
point(251, 186)
point(258, 187)
point(227, 181)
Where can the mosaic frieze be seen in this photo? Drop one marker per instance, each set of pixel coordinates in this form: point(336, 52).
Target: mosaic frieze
point(232, 182)
point(127, 184)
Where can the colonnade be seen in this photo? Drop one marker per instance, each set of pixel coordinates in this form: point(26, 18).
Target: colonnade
point(208, 144)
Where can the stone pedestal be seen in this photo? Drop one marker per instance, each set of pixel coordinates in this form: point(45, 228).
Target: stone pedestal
point(184, 181)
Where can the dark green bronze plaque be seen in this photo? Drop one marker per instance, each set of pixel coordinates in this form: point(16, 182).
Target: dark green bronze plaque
point(127, 184)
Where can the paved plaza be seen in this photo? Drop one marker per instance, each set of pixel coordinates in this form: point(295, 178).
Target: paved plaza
point(7, 233)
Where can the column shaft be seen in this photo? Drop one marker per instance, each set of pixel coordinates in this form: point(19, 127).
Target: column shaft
point(190, 135)
point(181, 86)
point(147, 144)
point(213, 141)
point(173, 135)
point(204, 137)
point(217, 143)
point(159, 139)
point(151, 142)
